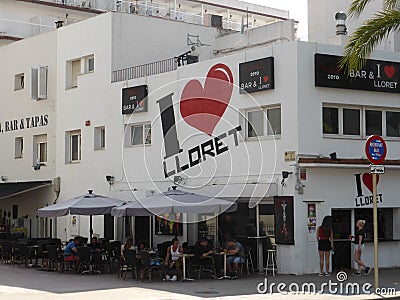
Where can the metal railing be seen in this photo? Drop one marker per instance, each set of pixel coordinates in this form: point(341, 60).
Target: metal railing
point(20, 29)
point(157, 67)
point(146, 8)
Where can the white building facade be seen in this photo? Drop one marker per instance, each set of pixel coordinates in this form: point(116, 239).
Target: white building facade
point(254, 120)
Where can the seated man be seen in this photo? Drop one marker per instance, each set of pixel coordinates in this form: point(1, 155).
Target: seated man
point(173, 260)
point(203, 249)
point(235, 253)
point(204, 254)
point(71, 251)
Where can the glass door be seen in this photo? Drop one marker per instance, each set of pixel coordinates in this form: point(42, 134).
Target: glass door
point(341, 224)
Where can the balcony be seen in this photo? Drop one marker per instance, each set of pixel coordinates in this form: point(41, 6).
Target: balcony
point(157, 67)
point(236, 15)
point(15, 30)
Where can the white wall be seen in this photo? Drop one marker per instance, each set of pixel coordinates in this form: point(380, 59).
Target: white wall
point(17, 105)
point(322, 23)
point(16, 17)
point(138, 40)
point(258, 37)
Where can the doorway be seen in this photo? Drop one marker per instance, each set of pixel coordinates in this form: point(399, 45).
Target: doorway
point(142, 230)
point(341, 225)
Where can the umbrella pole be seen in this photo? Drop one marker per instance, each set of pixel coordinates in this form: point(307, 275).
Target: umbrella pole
point(91, 228)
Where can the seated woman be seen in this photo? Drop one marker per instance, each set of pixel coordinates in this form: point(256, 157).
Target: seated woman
point(173, 260)
point(128, 246)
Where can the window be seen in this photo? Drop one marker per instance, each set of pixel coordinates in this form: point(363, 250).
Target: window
point(99, 138)
point(263, 122)
point(40, 148)
point(78, 67)
point(385, 221)
point(73, 146)
point(39, 83)
point(393, 124)
point(362, 121)
point(19, 147)
point(340, 120)
point(351, 121)
point(330, 120)
point(76, 71)
point(19, 82)
point(140, 134)
point(255, 123)
point(373, 122)
point(274, 118)
point(90, 64)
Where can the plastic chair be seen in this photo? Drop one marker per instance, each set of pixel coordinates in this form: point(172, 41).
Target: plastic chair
point(149, 265)
point(130, 263)
point(52, 257)
point(85, 265)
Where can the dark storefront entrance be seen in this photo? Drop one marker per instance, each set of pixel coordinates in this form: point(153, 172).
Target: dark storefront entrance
point(246, 230)
point(341, 230)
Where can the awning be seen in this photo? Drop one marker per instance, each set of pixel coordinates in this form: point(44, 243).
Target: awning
point(9, 189)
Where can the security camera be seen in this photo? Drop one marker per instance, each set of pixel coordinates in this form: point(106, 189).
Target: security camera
point(285, 174)
point(110, 179)
point(341, 28)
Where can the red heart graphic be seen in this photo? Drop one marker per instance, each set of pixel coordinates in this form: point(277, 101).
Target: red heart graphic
point(266, 78)
point(202, 108)
point(367, 179)
point(389, 71)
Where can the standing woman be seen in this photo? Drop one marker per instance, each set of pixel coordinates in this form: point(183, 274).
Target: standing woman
point(325, 244)
point(359, 248)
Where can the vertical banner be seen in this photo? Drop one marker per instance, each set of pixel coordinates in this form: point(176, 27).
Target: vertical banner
point(312, 217)
point(284, 220)
point(73, 225)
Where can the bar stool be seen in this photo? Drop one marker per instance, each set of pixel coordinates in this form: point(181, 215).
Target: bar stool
point(271, 262)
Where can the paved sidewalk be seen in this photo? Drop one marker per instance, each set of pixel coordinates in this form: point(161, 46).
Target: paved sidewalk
point(21, 283)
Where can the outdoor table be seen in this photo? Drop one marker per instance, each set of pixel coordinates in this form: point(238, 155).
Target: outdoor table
point(225, 255)
point(260, 253)
point(184, 255)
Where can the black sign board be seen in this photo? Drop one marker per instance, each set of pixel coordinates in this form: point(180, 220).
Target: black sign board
point(284, 220)
point(134, 99)
point(256, 75)
point(377, 75)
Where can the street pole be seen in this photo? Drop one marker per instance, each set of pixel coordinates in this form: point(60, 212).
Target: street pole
point(375, 220)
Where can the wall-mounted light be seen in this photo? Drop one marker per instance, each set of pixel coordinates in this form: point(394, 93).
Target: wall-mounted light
point(110, 179)
point(179, 180)
point(333, 156)
point(341, 28)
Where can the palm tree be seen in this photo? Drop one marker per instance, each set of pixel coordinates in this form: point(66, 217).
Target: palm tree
point(366, 37)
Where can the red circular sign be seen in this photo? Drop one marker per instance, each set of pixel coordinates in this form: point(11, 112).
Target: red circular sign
point(376, 150)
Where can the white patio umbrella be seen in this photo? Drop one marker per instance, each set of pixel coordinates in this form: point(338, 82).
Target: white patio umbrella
point(174, 201)
point(88, 204)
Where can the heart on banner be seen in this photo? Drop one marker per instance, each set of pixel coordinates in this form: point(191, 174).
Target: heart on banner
point(367, 179)
point(202, 108)
point(389, 71)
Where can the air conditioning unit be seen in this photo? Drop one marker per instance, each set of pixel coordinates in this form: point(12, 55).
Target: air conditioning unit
point(213, 20)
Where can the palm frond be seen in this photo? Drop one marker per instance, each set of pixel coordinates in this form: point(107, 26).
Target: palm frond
point(389, 4)
point(367, 37)
point(358, 6)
